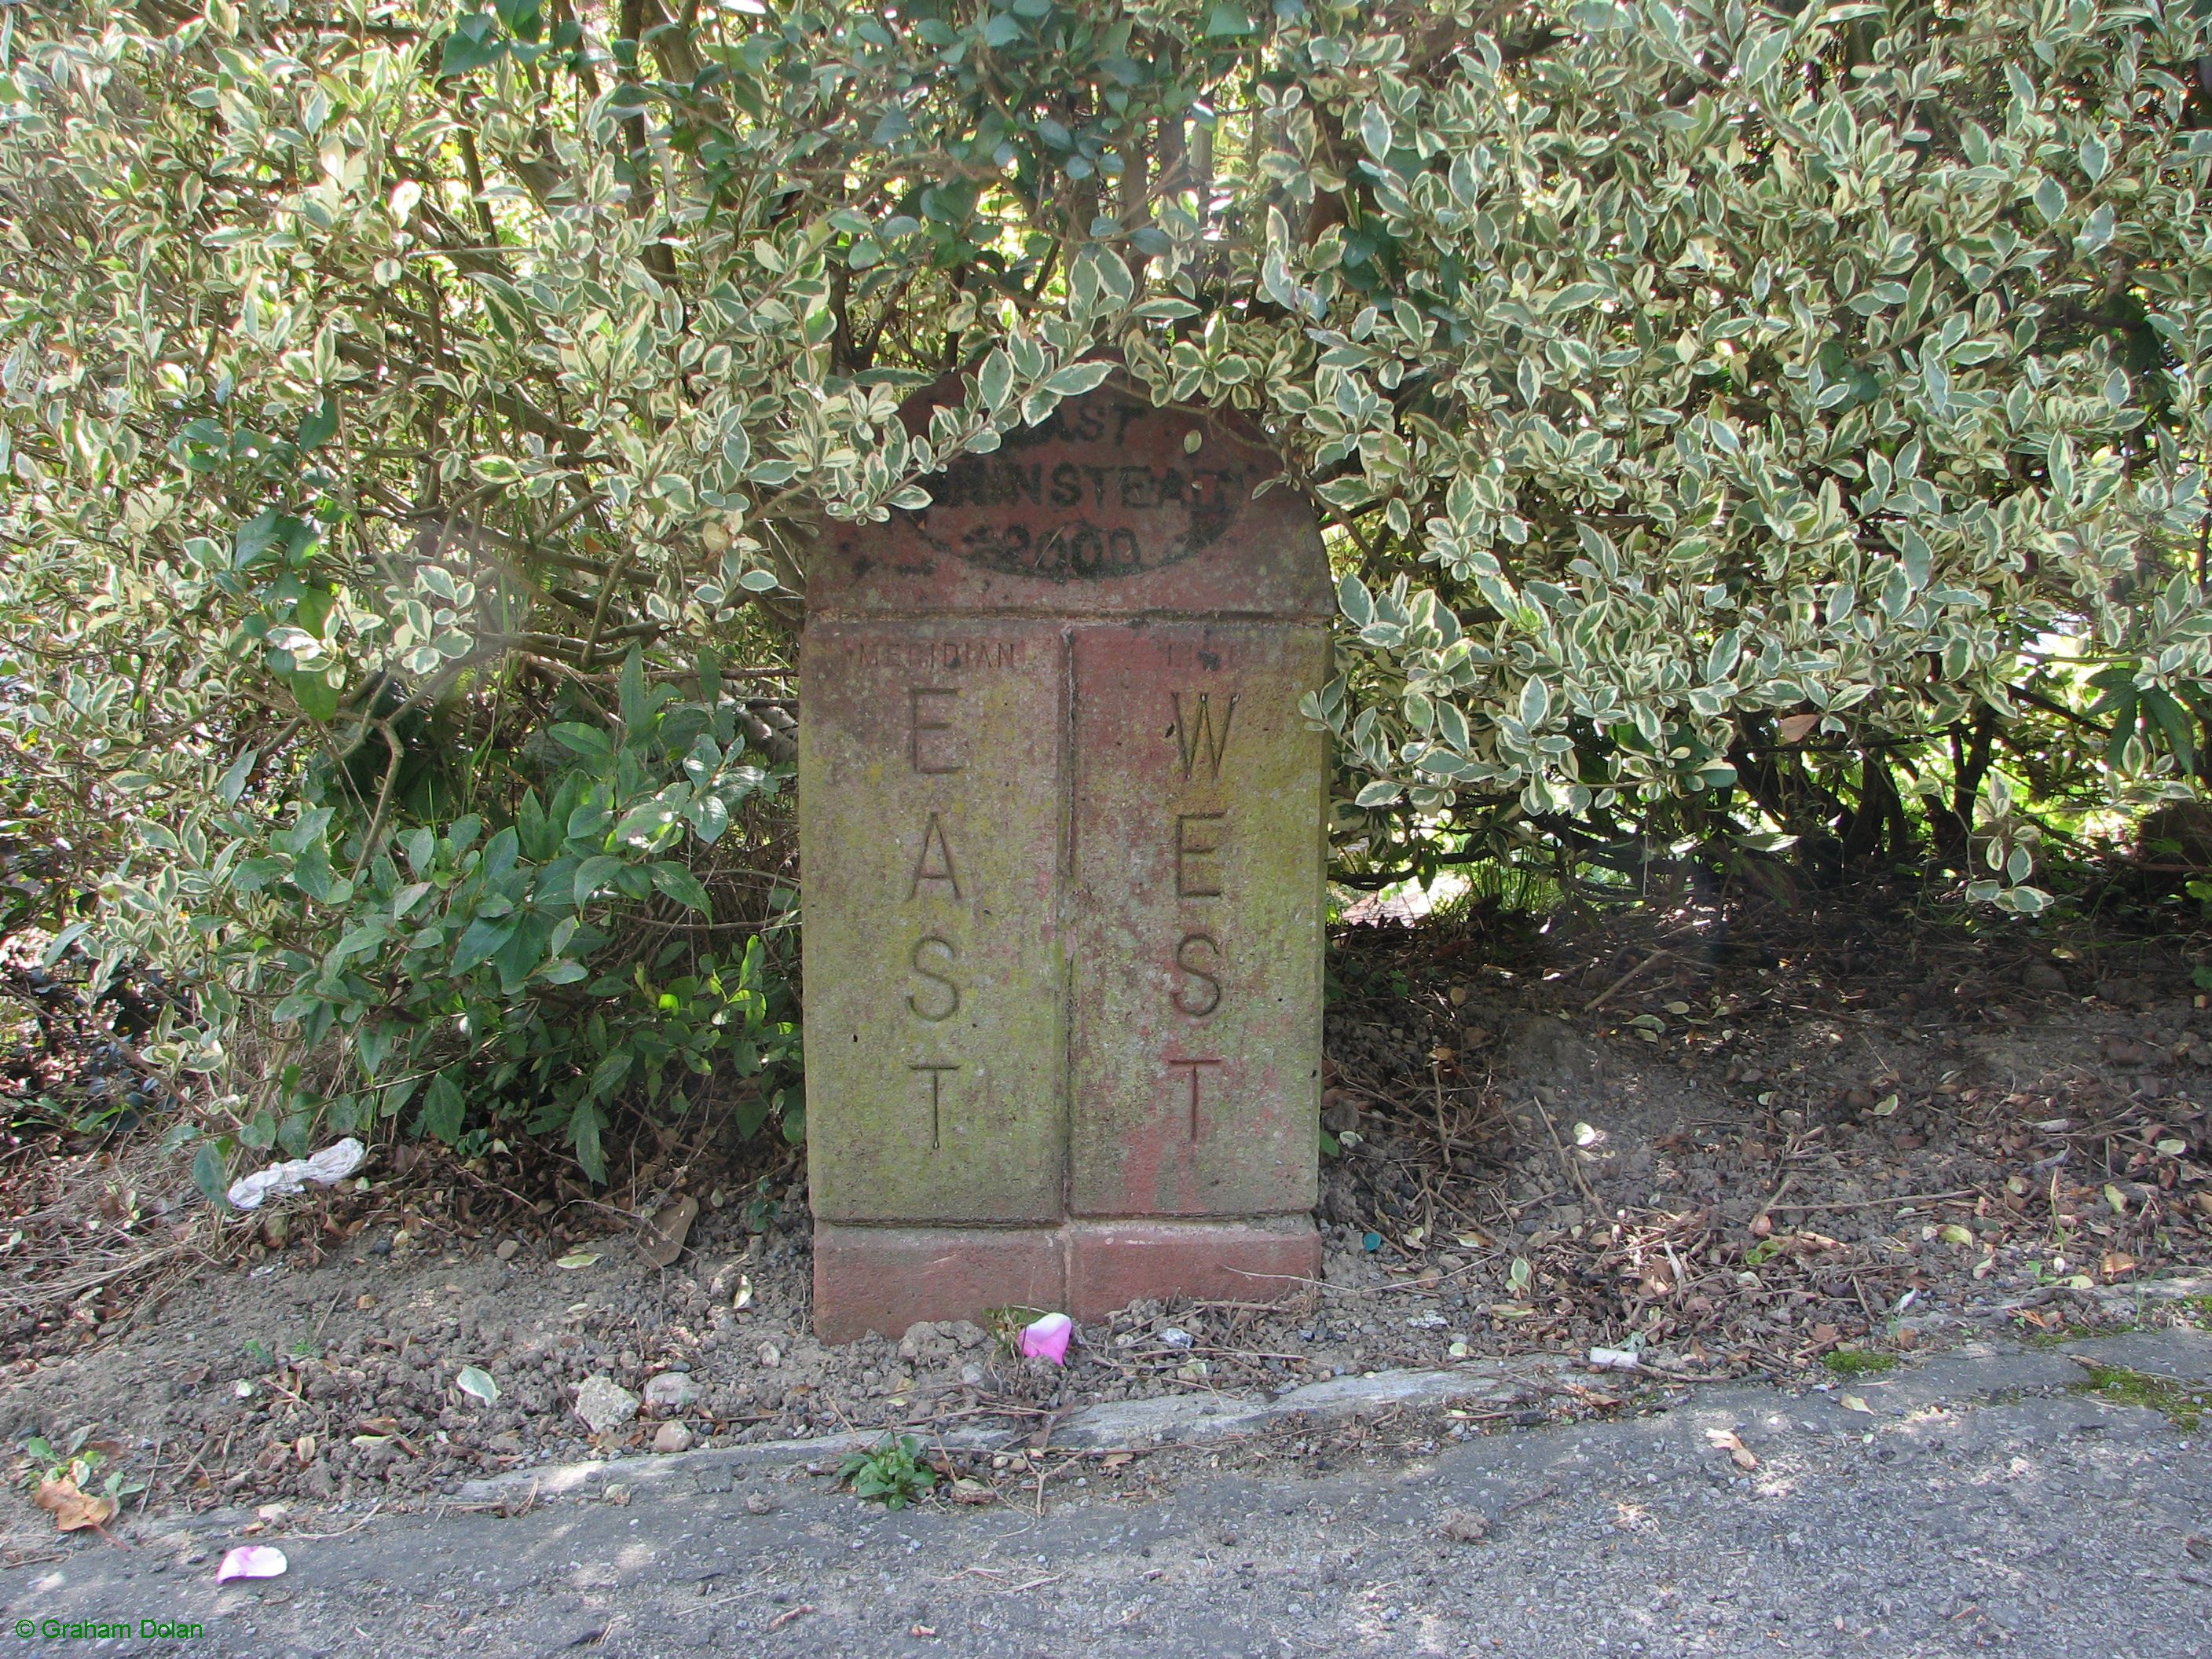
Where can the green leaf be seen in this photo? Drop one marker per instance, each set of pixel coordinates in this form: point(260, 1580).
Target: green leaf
point(584, 1126)
point(1079, 378)
point(1374, 132)
point(232, 782)
point(590, 741)
point(318, 698)
point(680, 884)
point(593, 874)
point(320, 424)
point(58, 947)
point(479, 940)
point(474, 43)
point(1352, 597)
point(1227, 22)
point(611, 1072)
point(444, 1108)
point(209, 1174)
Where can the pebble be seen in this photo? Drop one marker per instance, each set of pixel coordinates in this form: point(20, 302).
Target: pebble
point(671, 1392)
point(506, 1248)
point(671, 1438)
point(770, 1355)
point(604, 1405)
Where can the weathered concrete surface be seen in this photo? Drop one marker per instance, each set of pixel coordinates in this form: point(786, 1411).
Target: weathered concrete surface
point(1061, 832)
point(1994, 1515)
point(930, 834)
point(1184, 1419)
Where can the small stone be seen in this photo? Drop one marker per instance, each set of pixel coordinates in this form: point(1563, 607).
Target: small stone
point(971, 1374)
point(671, 1392)
point(671, 1438)
point(604, 1405)
point(758, 1503)
point(2043, 976)
point(506, 1248)
point(1466, 1527)
point(770, 1355)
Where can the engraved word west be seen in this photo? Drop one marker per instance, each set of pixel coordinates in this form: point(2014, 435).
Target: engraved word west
point(1060, 828)
point(1199, 838)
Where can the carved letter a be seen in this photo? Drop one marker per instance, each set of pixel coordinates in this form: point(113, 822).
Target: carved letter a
point(934, 841)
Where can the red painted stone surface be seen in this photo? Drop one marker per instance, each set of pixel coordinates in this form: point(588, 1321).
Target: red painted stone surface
point(1060, 831)
point(1195, 1072)
point(1112, 1263)
point(884, 1279)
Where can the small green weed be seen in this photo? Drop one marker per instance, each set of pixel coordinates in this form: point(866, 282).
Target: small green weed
point(1858, 1362)
point(77, 1462)
point(2182, 1407)
point(892, 1472)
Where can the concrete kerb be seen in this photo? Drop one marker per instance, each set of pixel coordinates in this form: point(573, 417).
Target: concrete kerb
point(1976, 1371)
point(1193, 1419)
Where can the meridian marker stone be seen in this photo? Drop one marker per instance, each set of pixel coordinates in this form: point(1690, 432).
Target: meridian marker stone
point(1061, 829)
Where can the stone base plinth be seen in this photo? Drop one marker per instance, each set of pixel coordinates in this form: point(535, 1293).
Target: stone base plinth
point(1112, 1263)
point(884, 1279)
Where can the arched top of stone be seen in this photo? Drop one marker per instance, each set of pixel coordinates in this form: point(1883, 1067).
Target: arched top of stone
point(1109, 508)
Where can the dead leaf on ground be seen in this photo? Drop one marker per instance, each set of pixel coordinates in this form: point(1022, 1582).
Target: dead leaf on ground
point(667, 1229)
point(72, 1507)
point(1728, 1441)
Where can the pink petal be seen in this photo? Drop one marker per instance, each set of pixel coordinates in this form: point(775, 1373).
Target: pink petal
point(1047, 1339)
point(252, 1561)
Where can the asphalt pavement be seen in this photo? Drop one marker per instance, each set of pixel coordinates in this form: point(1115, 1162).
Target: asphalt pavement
point(1968, 1503)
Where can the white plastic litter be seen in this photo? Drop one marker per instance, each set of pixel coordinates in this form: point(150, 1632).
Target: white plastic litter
point(334, 1163)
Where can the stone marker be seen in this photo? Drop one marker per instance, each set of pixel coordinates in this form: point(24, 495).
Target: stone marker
point(1061, 832)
